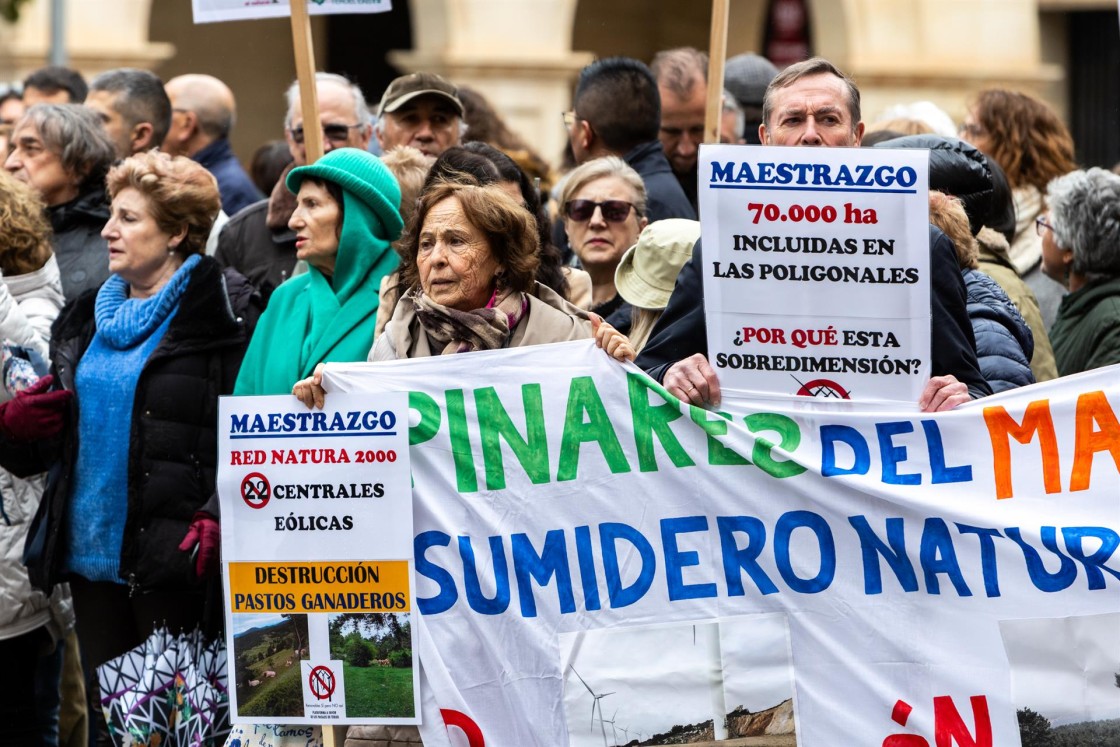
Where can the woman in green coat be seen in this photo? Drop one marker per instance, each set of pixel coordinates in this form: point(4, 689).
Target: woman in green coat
point(1081, 250)
point(346, 218)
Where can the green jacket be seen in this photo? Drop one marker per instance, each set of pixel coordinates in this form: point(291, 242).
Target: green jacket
point(313, 319)
point(1086, 334)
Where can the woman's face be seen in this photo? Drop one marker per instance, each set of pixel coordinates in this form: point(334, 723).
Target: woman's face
point(598, 242)
point(315, 222)
point(31, 162)
point(973, 132)
point(139, 250)
point(457, 268)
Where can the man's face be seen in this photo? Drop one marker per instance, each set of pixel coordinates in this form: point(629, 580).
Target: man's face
point(428, 123)
point(31, 162)
point(812, 111)
point(105, 104)
point(33, 96)
point(342, 127)
point(682, 126)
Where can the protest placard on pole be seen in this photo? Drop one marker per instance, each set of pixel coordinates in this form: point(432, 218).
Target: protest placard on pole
point(816, 270)
point(317, 560)
point(213, 11)
point(717, 54)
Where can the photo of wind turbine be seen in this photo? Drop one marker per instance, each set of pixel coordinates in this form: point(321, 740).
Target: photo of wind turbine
point(726, 681)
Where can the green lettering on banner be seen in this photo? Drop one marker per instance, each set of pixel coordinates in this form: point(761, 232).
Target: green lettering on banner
point(719, 455)
point(652, 422)
point(430, 418)
point(762, 455)
point(584, 402)
point(495, 425)
point(465, 478)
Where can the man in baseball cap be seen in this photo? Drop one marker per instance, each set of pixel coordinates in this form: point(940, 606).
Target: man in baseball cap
point(422, 110)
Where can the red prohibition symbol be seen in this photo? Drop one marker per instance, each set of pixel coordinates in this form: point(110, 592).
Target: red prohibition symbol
point(255, 490)
point(823, 388)
point(464, 722)
point(321, 682)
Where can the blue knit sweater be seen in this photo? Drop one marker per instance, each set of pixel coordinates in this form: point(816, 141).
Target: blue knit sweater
point(128, 330)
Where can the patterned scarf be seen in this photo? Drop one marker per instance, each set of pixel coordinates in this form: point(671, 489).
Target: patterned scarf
point(465, 331)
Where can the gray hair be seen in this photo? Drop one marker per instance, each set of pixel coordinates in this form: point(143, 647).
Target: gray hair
point(731, 104)
point(680, 69)
point(361, 108)
point(1085, 213)
point(75, 134)
point(599, 168)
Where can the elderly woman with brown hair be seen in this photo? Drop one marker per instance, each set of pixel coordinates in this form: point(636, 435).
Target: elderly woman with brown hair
point(146, 358)
point(470, 264)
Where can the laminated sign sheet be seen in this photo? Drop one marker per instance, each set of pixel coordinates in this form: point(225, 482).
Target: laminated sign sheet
point(317, 552)
point(816, 270)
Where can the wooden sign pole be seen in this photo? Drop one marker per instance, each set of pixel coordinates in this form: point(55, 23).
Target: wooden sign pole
point(717, 54)
point(305, 72)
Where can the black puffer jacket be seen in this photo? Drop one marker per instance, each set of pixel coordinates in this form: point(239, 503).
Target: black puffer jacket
point(172, 462)
point(83, 256)
point(1004, 343)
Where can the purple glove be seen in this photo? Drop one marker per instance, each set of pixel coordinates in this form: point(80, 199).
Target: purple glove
point(36, 413)
point(205, 536)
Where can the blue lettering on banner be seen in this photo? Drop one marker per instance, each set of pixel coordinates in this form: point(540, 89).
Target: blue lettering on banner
point(817, 177)
point(943, 554)
point(312, 424)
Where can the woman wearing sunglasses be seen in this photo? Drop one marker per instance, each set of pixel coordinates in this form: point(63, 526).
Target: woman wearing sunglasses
point(604, 207)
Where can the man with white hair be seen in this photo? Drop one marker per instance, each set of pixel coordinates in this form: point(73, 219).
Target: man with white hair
point(422, 110)
point(257, 241)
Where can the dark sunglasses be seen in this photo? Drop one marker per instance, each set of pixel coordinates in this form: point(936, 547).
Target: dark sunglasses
point(614, 211)
point(336, 133)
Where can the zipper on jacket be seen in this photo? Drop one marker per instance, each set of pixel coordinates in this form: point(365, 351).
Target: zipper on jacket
point(132, 584)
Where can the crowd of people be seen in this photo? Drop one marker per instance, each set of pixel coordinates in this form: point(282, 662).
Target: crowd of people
point(145, 273)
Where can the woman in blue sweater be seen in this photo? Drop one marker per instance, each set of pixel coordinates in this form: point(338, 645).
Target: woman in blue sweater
point(146, 358)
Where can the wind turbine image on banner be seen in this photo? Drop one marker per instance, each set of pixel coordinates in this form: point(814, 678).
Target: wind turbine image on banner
point(614, 732)
point(594, 705)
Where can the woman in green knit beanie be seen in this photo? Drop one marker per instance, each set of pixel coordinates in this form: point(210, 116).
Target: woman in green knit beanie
point(347, 216)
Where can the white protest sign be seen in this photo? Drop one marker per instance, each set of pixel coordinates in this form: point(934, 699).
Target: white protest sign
point(317, 553)
point(594, 556)
point(816, 270)
point(212, 11)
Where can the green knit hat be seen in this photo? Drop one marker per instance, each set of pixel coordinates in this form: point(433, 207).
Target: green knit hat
point(362, 175)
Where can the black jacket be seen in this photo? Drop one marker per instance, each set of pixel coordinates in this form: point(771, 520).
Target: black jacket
point(664, 196)
point(681, 331)
point(172, 461)
point(83, 256)
point(249, 246)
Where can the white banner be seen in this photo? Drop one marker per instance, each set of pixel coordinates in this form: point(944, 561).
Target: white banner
point(816, 270)
point(212, 11)
point(317, 555)
point(598, 563)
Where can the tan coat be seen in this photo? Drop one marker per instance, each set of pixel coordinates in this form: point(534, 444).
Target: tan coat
point(996, 264)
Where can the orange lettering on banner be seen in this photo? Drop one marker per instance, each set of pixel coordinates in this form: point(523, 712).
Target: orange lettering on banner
point(1093, 410)
point(1036, 421)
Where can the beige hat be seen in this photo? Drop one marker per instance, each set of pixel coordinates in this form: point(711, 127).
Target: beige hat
point(648, 270)
point(408, 87)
